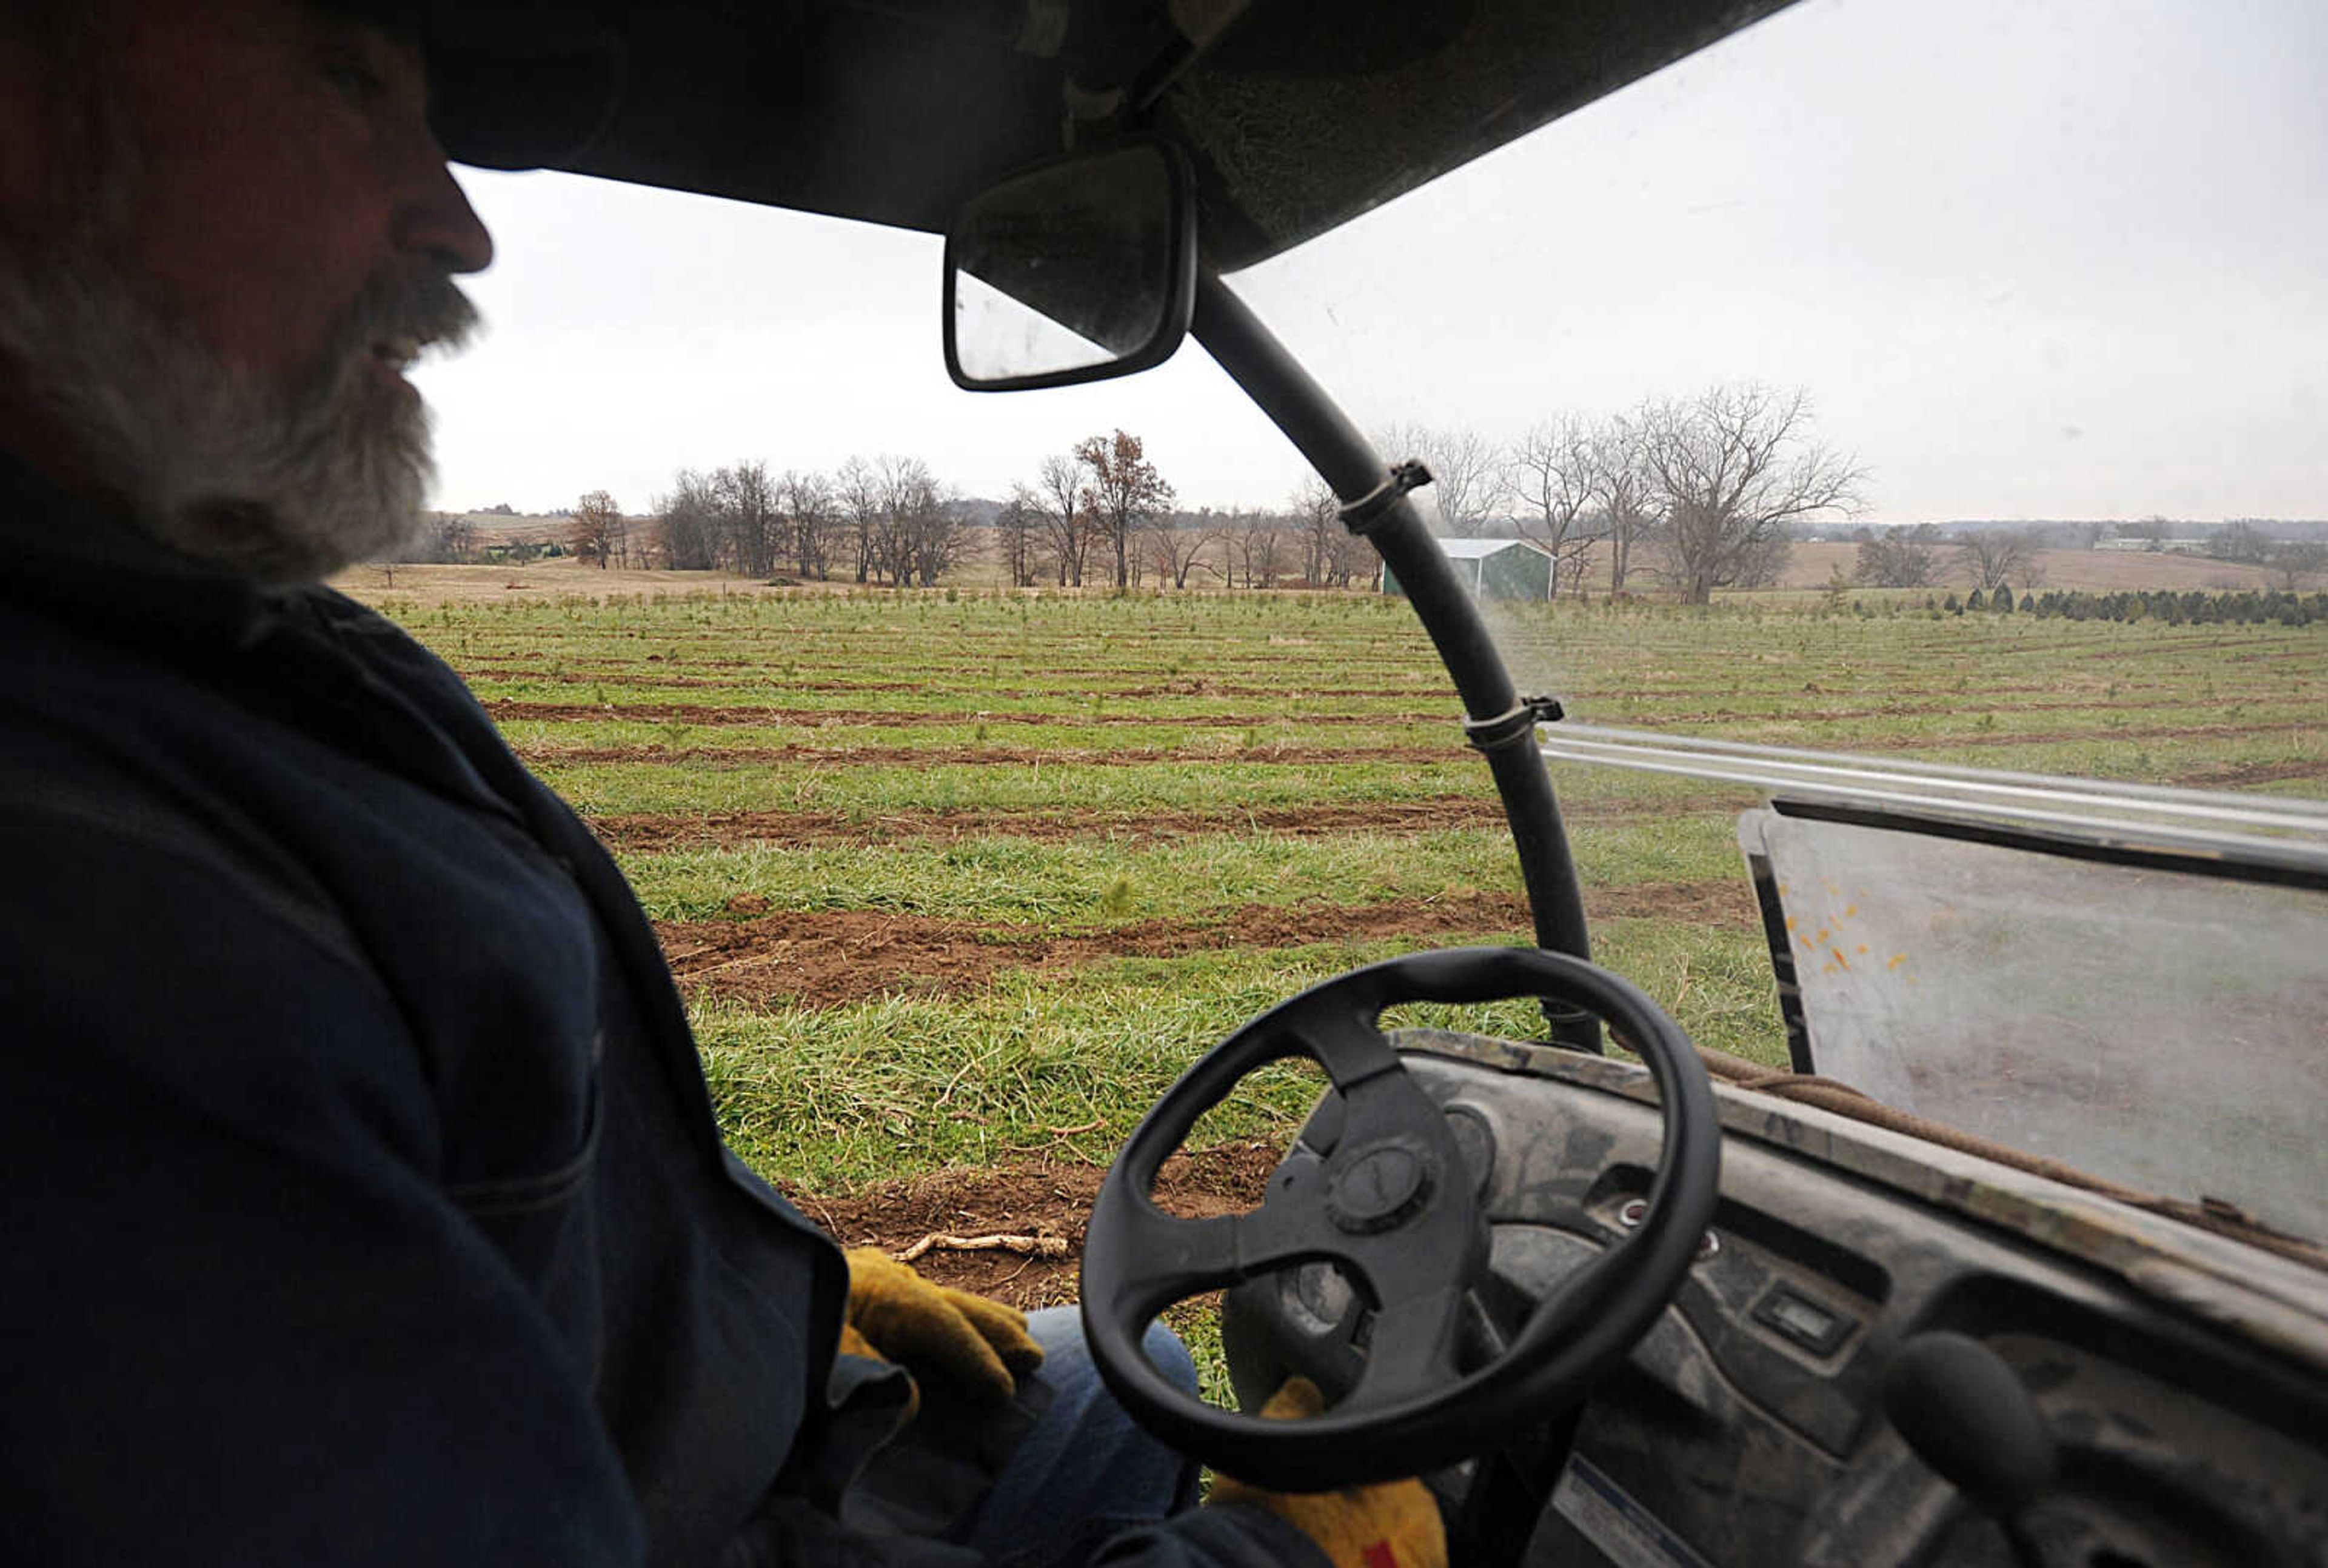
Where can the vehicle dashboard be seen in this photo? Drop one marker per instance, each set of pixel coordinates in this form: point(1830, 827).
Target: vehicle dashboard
point(2178, 1372)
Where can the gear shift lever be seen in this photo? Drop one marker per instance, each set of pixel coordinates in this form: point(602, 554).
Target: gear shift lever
point(1963, 1411)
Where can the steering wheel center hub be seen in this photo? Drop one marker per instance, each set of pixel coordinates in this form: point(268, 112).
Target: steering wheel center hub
point(1380, 1186)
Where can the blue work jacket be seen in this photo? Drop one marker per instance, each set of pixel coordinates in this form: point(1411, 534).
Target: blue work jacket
point(361, 1198)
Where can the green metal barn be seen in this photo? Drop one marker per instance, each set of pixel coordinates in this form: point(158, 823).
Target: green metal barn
point(1494, 568)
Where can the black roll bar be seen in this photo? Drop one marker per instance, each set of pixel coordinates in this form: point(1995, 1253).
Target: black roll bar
point(1375, 505)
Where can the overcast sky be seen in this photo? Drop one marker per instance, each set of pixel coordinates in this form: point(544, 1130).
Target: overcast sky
point(2030, 257)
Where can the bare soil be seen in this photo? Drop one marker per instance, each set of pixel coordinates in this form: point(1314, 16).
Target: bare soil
point(651, 831)
point(1044, 1197)
point(2241, 774)
point(549, 579)
point(1055, 676)
point(712, 717)
point(829, 957)
point(987, 755)
point(647, 832)
point(2147, 732)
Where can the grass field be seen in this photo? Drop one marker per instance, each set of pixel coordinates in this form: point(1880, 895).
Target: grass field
point(956, 884)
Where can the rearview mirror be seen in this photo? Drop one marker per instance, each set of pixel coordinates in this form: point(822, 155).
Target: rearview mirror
point(1073, 270)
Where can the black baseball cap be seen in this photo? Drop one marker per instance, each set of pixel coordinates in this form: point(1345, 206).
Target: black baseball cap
point(518, 84)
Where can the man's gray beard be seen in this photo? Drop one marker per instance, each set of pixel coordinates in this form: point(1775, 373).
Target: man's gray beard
point(281, 483)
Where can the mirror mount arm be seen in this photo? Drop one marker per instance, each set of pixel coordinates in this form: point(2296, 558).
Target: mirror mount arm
point(1377, 506)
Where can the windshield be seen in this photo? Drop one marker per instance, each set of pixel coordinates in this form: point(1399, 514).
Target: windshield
point(2019, 309)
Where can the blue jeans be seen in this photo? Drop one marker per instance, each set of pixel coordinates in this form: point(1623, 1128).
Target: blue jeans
point(1043, 1480)
point(1083, 1471)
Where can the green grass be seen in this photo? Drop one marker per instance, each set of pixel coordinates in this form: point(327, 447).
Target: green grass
point(1115, 722)
point(836, 1097)
point(1089, 883)
point(832, 1097)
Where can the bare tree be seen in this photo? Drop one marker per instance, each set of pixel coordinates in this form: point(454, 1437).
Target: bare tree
point(2153, 531)
point(862, 501)
point(1991, 556)
point(596, 532)
point(1058, 495)
point(2243, 541)
point(1554, 474)
point(923, 531)
point(1125, 491)
point(1332, 556)
point(444, 538)
point(1261, 547)
point(1318, 515)
point(1352, 562)
point(748, 514)
point(1467, 471)
point(687, 524)
point(1736, 465)
point(1898, 558)
point(807, 502)
point(456, 536)
point(1020, 527)
point(1627, 493)
point(2297, 560)
point(901, 488)
point(907, 529)
point(1184, 543)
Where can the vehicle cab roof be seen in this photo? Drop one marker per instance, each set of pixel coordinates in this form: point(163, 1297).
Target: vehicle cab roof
point(1296, 117)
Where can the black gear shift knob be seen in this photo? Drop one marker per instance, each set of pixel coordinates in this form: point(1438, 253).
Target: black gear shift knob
point(1964, 1412)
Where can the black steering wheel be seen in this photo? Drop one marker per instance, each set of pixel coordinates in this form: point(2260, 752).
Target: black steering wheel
point(1392, 1205)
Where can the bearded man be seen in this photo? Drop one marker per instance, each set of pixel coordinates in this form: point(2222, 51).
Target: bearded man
point(363, 1201)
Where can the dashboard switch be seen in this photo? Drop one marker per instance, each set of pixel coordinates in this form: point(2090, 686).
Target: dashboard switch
point(1793, 1316)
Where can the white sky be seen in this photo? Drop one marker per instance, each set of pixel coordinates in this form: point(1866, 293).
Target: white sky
point(2027, 267)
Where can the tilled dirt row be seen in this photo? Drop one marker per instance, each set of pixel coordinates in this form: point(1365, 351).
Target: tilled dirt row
point(1042, 1198)
point(712, 716)
point(653, 830)
point(828, 958)
point(985, 756)
point(650, 832)
point(1278, 755)
point(2236, 775)
point(1061, 682)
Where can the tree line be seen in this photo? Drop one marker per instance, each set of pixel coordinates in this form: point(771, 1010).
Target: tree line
point(884, 520)
point(1699, 493)
point(1694, 494)
point(1101, 512)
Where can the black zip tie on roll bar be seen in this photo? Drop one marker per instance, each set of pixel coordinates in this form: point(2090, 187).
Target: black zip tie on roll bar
point(1362, 516)
point(1516, 724)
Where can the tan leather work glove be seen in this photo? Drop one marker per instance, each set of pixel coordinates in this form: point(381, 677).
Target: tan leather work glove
point(1389, 1524)
point(950, 1339)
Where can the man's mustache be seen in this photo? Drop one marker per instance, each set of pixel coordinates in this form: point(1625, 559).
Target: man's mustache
point(425, 311)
